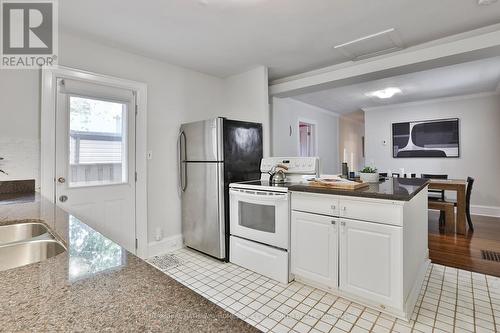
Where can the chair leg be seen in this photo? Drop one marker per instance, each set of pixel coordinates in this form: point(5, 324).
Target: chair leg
point(450, 220)
point(441, 217)
point(469, 220)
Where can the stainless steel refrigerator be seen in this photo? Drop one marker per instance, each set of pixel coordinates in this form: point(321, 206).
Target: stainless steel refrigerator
point(213, 154)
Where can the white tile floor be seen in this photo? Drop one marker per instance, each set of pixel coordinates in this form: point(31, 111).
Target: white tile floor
point(451, 300)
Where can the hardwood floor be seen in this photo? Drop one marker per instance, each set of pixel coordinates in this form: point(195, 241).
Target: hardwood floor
point(464, 251)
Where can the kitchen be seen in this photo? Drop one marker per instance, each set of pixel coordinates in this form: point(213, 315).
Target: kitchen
point(339, 291)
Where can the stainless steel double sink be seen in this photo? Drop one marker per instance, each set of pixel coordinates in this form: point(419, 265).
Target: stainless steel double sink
point(26, 243)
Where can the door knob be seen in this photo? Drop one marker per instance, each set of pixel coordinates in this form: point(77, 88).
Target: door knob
point(61, 180)
point(63, 198)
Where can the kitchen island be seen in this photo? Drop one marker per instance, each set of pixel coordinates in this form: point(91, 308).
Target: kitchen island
point(368, 245)
point(96, 285)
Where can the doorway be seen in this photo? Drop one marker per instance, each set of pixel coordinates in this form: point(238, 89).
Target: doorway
point(92, 138)
point(307, 139)
point(95, 157)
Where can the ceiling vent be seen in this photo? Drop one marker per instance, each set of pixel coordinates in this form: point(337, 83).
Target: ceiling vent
point(372, 45)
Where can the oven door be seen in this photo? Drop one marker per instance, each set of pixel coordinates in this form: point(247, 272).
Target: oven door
point(261, 216)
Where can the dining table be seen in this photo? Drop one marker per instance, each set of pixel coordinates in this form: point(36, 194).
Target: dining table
point(460, 187)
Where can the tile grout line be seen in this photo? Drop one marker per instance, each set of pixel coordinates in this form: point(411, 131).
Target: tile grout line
point(456, 303)
point(313, 305)
point(424, 288)
point(474, 302)
point(439, 299)
point(359, 317)
point(491, 303)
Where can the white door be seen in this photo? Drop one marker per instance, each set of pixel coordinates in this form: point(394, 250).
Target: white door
point(314, 248)
point(95, 157)
point(307, 139)
point(371, 261)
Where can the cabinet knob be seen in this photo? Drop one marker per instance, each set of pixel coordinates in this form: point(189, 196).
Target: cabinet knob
point(334, 222)
point(342, 223)
point(344, 208)
point(333, 207)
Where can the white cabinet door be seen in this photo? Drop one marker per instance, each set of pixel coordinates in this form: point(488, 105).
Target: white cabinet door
point(314, 248)
point(371, 261)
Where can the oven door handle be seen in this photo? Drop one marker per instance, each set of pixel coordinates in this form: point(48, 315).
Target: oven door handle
point(265, 197)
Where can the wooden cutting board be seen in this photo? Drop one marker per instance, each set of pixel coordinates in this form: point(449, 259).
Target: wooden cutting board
point(339, 185)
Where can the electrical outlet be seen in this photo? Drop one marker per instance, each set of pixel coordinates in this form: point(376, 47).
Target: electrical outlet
point(158, 234)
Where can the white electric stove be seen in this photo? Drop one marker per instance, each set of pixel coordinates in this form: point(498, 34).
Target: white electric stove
point(260, 217)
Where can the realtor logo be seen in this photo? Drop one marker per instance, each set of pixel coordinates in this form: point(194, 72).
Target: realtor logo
point(29, 33)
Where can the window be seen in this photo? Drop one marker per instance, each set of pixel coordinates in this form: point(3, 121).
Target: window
point(98, 144)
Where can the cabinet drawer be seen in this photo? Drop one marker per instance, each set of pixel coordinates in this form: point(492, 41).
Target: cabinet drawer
point(374, 211)
point(315, 203)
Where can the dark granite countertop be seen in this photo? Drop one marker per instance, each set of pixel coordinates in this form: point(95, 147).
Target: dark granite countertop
point(401, 189)
point(96, 285)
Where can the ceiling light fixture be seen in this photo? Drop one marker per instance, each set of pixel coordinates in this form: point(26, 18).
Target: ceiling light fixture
point(485, 2)
point(364, 38)
point(384, 93)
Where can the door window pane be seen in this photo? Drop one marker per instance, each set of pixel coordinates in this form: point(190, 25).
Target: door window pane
point(257, 217)
point(97, 142)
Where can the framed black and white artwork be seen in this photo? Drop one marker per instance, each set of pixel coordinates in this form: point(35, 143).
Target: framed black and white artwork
point(427, 138)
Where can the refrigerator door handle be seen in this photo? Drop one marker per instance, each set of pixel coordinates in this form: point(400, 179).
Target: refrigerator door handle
point(182, 163)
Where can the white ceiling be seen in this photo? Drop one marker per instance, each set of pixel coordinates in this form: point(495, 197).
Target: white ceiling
point(462, 79)
point(224, 37)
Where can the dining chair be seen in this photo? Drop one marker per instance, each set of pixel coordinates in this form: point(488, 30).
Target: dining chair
point(413, 175)
point(383, 174)
point(437, 194)
point(470, 183)
point(394, 175)
point(468, 193)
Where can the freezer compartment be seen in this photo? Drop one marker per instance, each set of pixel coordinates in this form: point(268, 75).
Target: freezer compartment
point(201, 141)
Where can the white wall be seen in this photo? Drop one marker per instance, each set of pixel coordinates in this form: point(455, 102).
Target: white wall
point(173, 92)
point(20, 125)
point(286, 112)
point(247, 98)
point(175, 95)
point(243, 97)
point(479, 141)
point(350, 140)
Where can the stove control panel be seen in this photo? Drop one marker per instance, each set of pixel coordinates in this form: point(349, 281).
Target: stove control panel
point(296, 165)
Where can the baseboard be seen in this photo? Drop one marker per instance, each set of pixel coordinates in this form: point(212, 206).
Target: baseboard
point(485, 210)
point(493, 211)
point(164, 246)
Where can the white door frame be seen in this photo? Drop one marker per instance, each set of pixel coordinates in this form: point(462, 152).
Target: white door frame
point(48, 140)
